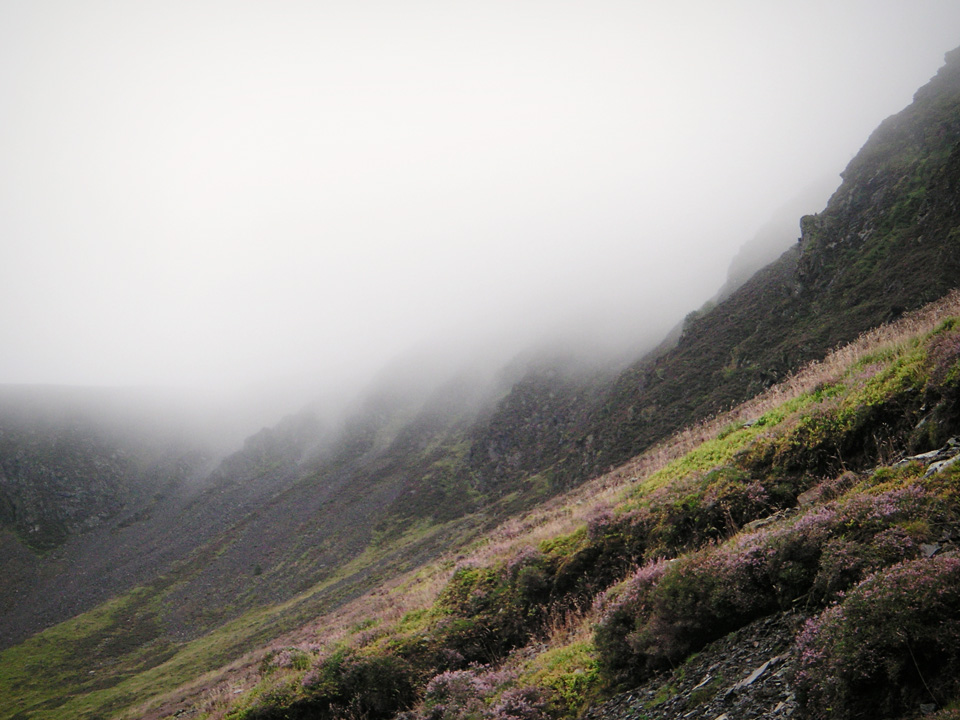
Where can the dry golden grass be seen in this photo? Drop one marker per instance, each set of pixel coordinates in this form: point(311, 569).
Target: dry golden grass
point(567, 625)
point(565, 513)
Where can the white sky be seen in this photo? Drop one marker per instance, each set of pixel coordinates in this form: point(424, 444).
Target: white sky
point(235, 192)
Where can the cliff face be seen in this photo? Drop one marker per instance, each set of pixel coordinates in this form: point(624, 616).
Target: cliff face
point(889, 234)
point(70, 462)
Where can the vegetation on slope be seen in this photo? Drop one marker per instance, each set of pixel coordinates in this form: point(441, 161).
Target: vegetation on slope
point(797, 500)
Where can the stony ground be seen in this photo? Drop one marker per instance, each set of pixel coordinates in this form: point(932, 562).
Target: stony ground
point(741, 676)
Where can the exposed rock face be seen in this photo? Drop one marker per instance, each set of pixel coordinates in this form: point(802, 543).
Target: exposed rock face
point(545, 416)
point(893, 223)
point(55, 485)
point(64, 470)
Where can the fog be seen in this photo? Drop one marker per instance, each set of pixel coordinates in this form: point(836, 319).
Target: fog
point(237, 195)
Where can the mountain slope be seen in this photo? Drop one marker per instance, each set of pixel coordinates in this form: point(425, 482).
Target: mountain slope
point(857, 264)
point(303, 520)
point(737, 526)
point(888, 241)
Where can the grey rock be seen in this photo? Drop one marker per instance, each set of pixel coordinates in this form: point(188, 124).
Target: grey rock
point(940, 466)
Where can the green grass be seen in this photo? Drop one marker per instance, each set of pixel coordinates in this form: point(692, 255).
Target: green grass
point(115, 656)
point(571, 671)
point(721, 450)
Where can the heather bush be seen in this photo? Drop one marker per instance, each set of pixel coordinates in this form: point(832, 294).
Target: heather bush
point(863, 515)
point(610, 547)
point(701, 597)
point(455, 695)
point(892, 643)
point(526, 703)
point(621, 609)
point(377, 686)
point(485, 612)
point(342, 685)
point(683, 516)
point(528, 573)
point(479, 693)
point(667, 610)
point(705, 507)
point(833, 546)
point(844, 562)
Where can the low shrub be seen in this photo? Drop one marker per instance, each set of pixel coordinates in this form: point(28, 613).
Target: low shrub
point(622, 608)
point(488, 611)
point(525, 703)
point(667, 610)
point(479, 693)
point(703, 508)
point(612, 546)
point(341, 686)
point(455, 695)
point(891, 644)
point(701, 597)
point(844, 562)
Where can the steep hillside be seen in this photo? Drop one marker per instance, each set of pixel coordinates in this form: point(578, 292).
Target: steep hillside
point(76, 468)
point(790, 503)
point(85, 497)
point(887, 242)
point(70, 462)
point(714, 574)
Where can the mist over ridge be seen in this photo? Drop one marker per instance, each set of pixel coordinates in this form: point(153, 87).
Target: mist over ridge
point(515, 493)
point(274, 205)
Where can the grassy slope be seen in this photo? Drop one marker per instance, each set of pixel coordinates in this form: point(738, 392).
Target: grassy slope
point(577, 546)
point(541, 571)
point(526, 600)
point(130, 648)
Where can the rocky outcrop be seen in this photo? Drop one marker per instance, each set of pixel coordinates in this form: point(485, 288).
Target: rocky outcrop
point(62, 479)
